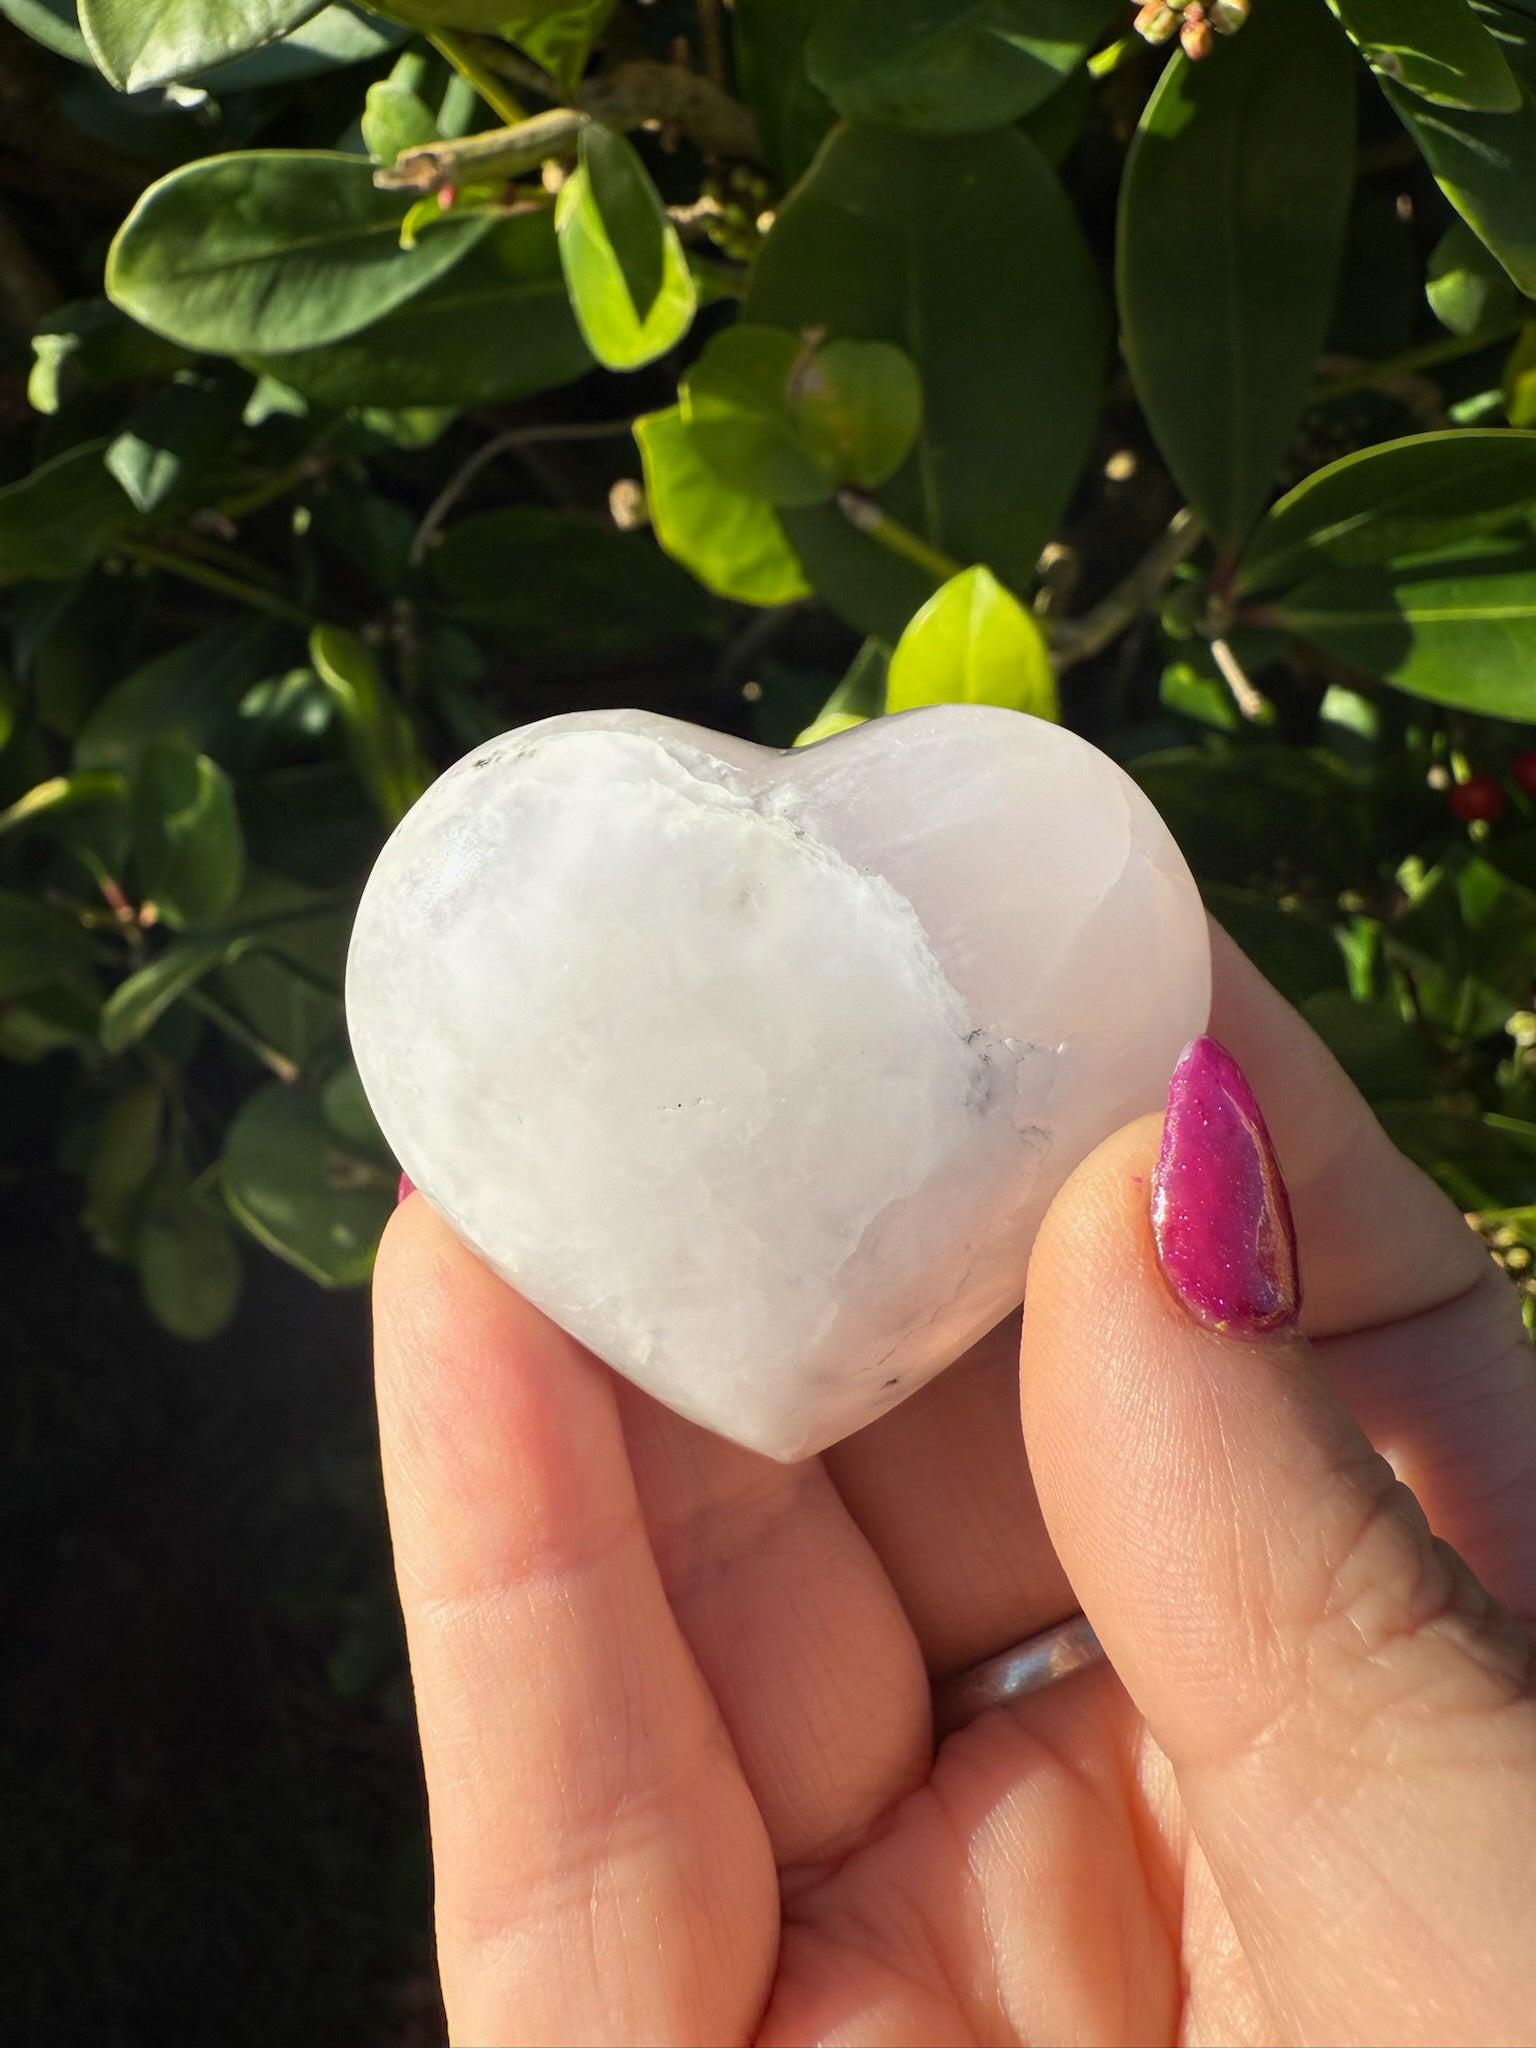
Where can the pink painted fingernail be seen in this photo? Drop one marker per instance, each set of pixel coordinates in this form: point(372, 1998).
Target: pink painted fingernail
point(1220, 1212)
point(407, 1187)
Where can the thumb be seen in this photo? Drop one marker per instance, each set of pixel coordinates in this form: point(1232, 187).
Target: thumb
point(1346, 1711)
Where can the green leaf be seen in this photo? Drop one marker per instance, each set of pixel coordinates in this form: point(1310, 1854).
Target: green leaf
point(350, 1114)
point(137, 1004)
point(1457, 628)
point(38, 945)
point(949, 66)
point(139, 43)
point(554, 582)
point(191, 693)
point(1399, 498)
point(188, 1265)
point(771, 75)
point(56, 521)
point(89, 345)
point(629, 281)
point(559, 34)
point(87, 813)
point(174, 438)
point(126, 1151)
point(1468, 289)
point(788, 421)
point(268, 250)
point(1232, 219)
point(301, 1191)
point(395, 118)
point(964, 252)
point(383, 744)
point(328, 41)
point(973, 643)
point(1518, 383)
point(187, 848)
point(53, 23)
point(1437, 48)
point(859, 697)
point(498, 327)
point(733, 543)
point(1486, 163)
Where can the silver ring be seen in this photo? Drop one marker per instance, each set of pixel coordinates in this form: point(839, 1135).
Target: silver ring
point(1028, 1667)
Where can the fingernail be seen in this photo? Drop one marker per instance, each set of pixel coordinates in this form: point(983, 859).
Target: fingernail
point(407, 1187)
point(1220, 1213)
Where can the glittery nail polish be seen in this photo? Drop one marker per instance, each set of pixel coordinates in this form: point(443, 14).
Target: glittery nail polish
point(407, 1187)
point(1220, 1213)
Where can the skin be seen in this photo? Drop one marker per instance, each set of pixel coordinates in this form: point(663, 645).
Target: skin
point(675, 1700)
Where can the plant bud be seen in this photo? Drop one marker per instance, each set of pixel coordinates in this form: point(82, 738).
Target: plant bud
point(1226, 16)
point(1157, 22)
point(1195, 35)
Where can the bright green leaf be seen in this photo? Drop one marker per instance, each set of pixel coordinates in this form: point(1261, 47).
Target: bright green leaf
point(949, 66)
point(964, 252)
point(973, 643)
point(299, 1189)
point(859, 697)
point(90, 345)
point(395, 118)
point(498, 327)
point(191, 693)
point(175, 437)
point(1486, 163)
point(1469, 290)
point(1457, 628)
point(383, 745)
point(629, 281)
point(139, 43)
point(1439, 49)
point(860, 406)
point(558, 34)
point(268, 250)
point(738, 401)
point(771, 75)
point(1232, 218)
point(55, 522)
point(188, 1265)
point(1399, 498)
point(1518, 383)
point(187, 847)
point(53, 23)
point(732, 542)
point(329, 41)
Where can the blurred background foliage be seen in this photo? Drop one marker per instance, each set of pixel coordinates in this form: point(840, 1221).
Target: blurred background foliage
point(373, 379)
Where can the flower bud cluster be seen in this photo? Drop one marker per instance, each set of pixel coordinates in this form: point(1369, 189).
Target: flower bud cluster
point(1195, 22)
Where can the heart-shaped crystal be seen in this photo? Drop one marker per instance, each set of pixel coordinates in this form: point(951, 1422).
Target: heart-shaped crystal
point(756, 1071)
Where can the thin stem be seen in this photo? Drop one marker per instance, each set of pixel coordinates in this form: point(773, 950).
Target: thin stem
point(712, 36)
point(214, 579)
point(275, 1062)
point(501, 444)
point(1247, 699)
point(1076, 639)
point(869, 518)
point(465, 61)
point(509, 63)
point(1450, 349)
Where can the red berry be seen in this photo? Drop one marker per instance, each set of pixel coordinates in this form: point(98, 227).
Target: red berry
point(1525, 770)
point(1478, 797)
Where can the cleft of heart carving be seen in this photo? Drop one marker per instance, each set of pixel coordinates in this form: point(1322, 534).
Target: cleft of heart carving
point(757, 1071)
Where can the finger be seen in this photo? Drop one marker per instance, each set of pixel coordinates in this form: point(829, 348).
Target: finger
point(1346, 1711)
point(601, 1872)
point(795, 1627)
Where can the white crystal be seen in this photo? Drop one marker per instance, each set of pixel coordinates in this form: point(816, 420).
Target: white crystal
point(756, 1071)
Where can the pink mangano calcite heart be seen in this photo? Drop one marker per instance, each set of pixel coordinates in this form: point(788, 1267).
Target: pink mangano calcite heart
point(757, 1070)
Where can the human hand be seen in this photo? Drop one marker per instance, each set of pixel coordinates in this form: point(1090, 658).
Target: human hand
point(675, 1700)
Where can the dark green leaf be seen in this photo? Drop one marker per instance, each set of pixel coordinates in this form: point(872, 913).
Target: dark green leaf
point(192, 693)
point(1299, 955)
point(555, 582)
point(629, 281)
point(1486, 163)
point(301, 1191)
point(1518, 382)
point(140, 43)
point(1468, 288)
point(328, 41)
point(949, 66)
point(1232, 217)
point(1399, 498)
point(1439, 49)
point(1458, 628)
point(137, 1004)
point(771, 74)
point(953, 249)
point(732, 542)
point(498, 327)
point(350, 1115)
point(973, 643)
point(38, 945)
point(269, 250)
point(90, 345)
point(55, 522)
point(188, 1266)
point(174, 438)
point(126, 1151)
point(1387, 1059)
point(187, 848)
